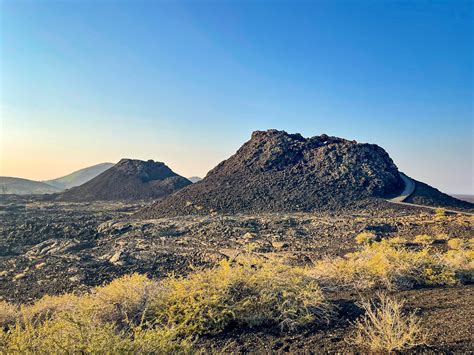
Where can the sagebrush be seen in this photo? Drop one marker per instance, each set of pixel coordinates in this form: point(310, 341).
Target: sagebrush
point(136, 314)
point(386, 327)
point(388, 265)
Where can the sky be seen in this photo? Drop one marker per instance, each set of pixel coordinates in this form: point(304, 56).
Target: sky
point(186, 82)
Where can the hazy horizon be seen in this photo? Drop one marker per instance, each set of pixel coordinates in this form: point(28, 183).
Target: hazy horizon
point(186, 83)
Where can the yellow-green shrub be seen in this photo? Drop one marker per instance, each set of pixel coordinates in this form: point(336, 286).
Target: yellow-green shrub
point(384, 265)
point(462, 261)
point(110, 319)
point(47, 306)
point(456, 243)
point(423, 239)
point(76, 333)
point(124, 300)
point(65, 333)
point(250, 294)
point(365, 238)
point(442, 237)
point(440, 214)
point(8, 313)
point(135, 314)
point(385, 327)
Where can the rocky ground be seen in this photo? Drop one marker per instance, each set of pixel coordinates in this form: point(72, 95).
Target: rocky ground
point(53, 247)
point(446, 315)
point(56, 247)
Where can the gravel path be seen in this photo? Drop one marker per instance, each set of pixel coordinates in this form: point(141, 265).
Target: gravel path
point(408, 191)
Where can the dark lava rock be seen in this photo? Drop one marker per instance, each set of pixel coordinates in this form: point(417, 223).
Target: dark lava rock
point(276, 171)
point(426, 195)
point(129, 180)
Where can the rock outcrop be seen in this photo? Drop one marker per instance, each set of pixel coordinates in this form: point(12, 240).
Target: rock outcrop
point(277, 171)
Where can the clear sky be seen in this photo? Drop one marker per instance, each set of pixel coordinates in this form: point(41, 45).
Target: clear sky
point(84, 82)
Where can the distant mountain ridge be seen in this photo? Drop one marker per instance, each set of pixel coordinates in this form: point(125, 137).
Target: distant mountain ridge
point(129, 179)
point(19, 186)
point(79, 177)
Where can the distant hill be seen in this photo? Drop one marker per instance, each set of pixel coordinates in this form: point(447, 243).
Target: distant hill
point(425, 194)
point(279, 172)
point(275, 171)
point(129, 180)
point(79, 177)
point(194, 179)
point(468, 198)
point(18, 186)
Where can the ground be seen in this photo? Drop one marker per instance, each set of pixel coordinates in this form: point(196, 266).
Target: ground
point(446, 314)
point(53, 247)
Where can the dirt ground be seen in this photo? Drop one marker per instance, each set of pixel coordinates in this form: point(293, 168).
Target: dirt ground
point(53, 247)
point(446, 314)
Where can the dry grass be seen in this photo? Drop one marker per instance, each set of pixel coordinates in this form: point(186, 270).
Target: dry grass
point(135, 314)
point(250, 293)
point(8, 313)
point(397, 241)
point(365, 238)
point(423, 239)
point(385, 265)
point(440, 214)
point(385, 327)
point(456, 244)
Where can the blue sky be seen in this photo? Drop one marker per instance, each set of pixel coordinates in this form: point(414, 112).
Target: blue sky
point(84, 82)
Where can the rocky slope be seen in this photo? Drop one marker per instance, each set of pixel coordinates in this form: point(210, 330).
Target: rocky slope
point(426, 195)
point(277, 171)
point(129, 180)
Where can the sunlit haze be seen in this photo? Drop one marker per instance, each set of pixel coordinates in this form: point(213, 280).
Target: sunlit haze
point(86, 82)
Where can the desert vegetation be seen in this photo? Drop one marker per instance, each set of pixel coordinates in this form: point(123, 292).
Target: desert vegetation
point(134, 313)
point(386, 327)
point(137, 314)
point(391, 265)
